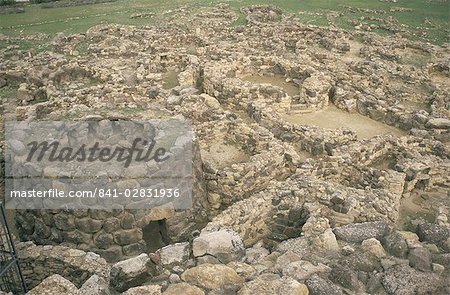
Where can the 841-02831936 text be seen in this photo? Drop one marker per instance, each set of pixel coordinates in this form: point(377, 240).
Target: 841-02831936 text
point(99, 193)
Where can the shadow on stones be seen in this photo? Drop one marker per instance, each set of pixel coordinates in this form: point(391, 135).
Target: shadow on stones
point(155, 235)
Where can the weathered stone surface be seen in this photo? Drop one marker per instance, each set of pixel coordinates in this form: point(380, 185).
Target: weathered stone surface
point(104, 240)
point(326, 241)
point(131, 272)
point(126, 237)
point(111, 224)
point(411, 239)
point(255, 254)
point(64, 221)
point(285, 259)
point(225, 245)
point(302, 269)
point(88, 225)
point(212, 276)
point(439, 123)
point(269, 284)
point(135, 248)
point(40, 262)
point(244, 270)
point(183, 288)
point(144, 290)
point(437, 268)
point(396, 245)
point(112, 254)
point(207, 259)
point(443, 259)
point(361, 261)
point(358, 232)
point(54, 284)
point(402, 279)
point(298, 246)
point(153, 92)
point(434, 233)
point(95, 285)
point(346, 277)
point(320, 286)
point(127, 221)
point(420, 259)
point(374, 247)
point(174, 278)
point(373, 283)
point(174, 254)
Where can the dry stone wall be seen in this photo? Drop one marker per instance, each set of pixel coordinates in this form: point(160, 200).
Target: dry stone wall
point(40, 262)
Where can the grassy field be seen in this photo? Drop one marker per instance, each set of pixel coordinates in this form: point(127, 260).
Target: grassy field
point(80, 18)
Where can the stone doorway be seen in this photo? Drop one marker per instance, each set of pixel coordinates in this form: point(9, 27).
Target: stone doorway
point(155, 235)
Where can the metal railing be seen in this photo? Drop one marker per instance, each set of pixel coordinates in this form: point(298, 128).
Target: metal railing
point(11, 278)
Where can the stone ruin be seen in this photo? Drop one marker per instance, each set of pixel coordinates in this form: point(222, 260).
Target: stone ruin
point(281, 204)
point(122, 227)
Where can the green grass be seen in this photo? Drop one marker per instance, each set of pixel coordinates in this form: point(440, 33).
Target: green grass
point(80, 18)
point(27, 45)
point(241, 21)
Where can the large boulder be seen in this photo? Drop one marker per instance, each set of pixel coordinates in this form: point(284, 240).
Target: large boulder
point(285, 259)
point(271, 284)
point(299, 246)
point(256, 254)
point(302, 269)
point(175, 254)
point(402, 279)
point(95, 285)
point(54, 284)
point(433, 233)
point(420, 259)
point(243, 269)
point(396, 245)
point(212, 276)
point(358, 232)
point(361, 261)
point(225, 245)
point(144, 290)
point(438, 123)
point(326, 241)
point(183, 288)
point(346, 277)
point(321, 286)
point(374, 247)
point(131, 272)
